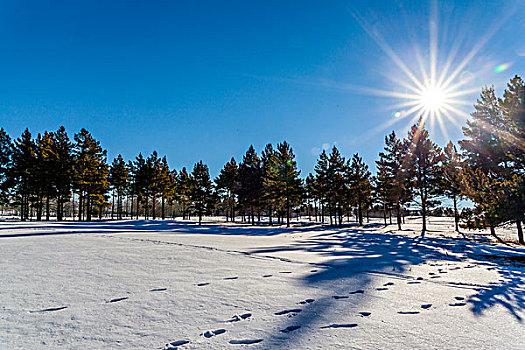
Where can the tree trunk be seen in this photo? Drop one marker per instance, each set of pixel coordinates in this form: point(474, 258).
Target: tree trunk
point(162, 208)
point(424, 214)
point(520, 232)
point(456, 217)
point(48, 210)
point(399, 217)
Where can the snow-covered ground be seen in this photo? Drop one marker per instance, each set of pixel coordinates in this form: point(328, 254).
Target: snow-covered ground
point(146, 284)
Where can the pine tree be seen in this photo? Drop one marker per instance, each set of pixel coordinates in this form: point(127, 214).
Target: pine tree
point(250, 189)
point(226, 183)
point(424, 166)
point(201, 191)
point(184, 190)
point(61, 155)
point(358, 179)
point(486, 164)
point(90, 174)
point(393, 176)
point(271, 196)
point(283, 178)
point(6, 153)
point(23, 171)
point(513, 112)
point(119, 178)
point(452, 178)
point(165, 185)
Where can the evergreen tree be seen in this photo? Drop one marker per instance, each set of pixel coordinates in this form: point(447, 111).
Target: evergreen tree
point(119, 178)
point(484, 149)
point(283, 177)
point(424, 166)
point(452, 178)
point(23, 171)
point(271, 198)
point(358, 178)
point(393, 176)
point(201, 191)
point(226, 183)
point(184, 190)
point(166, 186)
point(6, 153)
point(90, 174)
point(61, 156)
point(250, 187)
point(513, 112)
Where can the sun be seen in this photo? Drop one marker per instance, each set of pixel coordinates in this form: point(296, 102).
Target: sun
point(433, 99)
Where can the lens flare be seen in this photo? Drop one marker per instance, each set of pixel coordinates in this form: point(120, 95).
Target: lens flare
point(502, 67)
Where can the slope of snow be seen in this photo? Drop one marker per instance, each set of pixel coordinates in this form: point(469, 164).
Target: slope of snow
point(172, 284)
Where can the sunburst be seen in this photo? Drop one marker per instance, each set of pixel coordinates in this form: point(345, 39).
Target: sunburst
point(438, 89)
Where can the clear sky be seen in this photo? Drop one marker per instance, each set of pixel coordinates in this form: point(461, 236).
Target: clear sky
point(205, 79)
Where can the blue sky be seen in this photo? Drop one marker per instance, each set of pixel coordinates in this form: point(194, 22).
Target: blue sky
point(205, 79)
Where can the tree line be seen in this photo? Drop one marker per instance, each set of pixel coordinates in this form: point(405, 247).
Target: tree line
point(46, 174)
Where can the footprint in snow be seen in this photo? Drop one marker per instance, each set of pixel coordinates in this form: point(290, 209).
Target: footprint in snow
point(426, 306)
point(408, 312)
point(435, 276)
point(307, 301)
point(158, 289)
point(314, 270)
point(457, 304)
point(50, 309)
point(340, 325)
point(245, 341)
point(337, 297)
point(266, 276)
point(414, 282)
point(289, 311)
point(359, 291)
point(290, 329)
point(365, 313)
point(230, 278)
point(209, 334)
point(382, 288)
point(174, 344)
point(388, 284)
point(116, 300)
point(419, 278)
point(285, 271)
point(237, 318)
point(202, 284)
point(459, 298)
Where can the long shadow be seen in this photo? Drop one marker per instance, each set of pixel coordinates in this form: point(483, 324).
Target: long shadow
point(361, 254)
point(164, 226)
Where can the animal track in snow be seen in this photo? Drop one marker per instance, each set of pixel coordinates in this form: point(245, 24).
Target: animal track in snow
point(50, 309)
point(209, 334)
point(285, 271)
point(230, 278)
point(459, 298)
point(337, 297)
point(245, 341)
point(383, 288)
point(117, 299)
point(289, 311)
point(237, 318)
point(175, 344)
point(426, 306)
point(457, 304)
point(290, 329)
point(408, 312)
point(359, 291)
point(307, 301)
point(266, 276)
point(340, 325)
point(413, 282)
point(202, 284)
point(365, 313)
point(388, 284)
point(158, 289)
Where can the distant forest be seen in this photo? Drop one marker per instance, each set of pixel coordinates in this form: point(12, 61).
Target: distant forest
point(51, 175)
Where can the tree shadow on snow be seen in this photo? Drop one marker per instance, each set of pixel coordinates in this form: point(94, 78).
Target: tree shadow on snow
point(355, 257)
